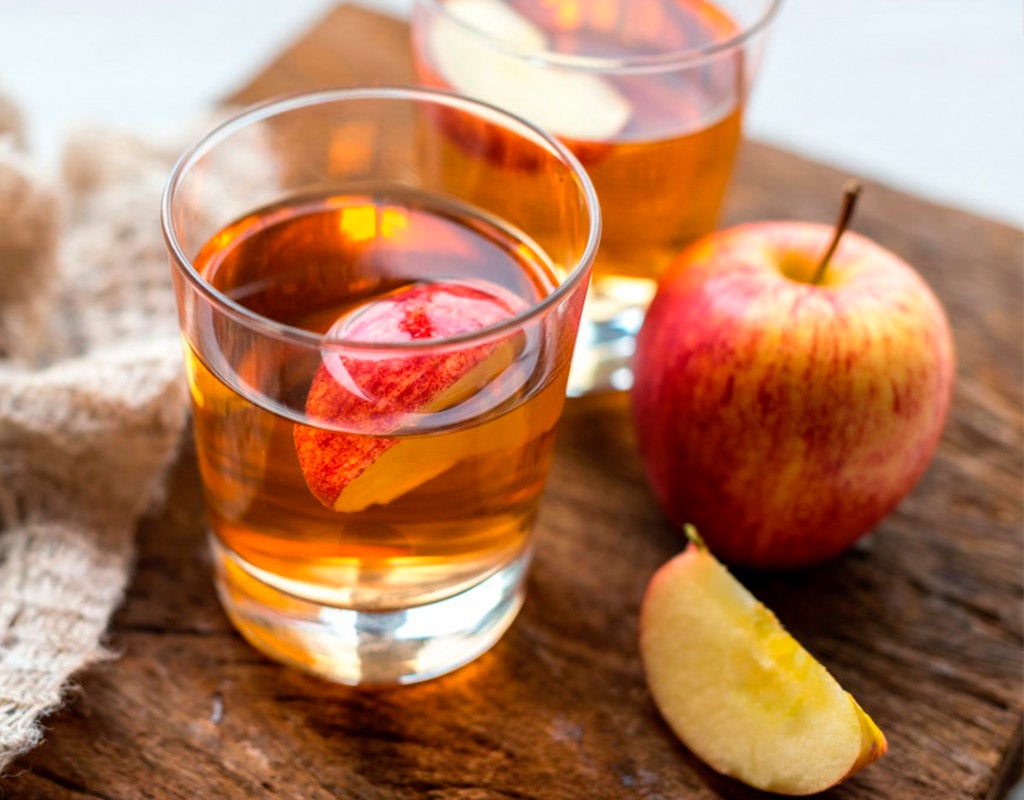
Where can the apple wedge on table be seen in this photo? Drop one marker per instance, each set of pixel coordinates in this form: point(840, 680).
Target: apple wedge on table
point(739, 691)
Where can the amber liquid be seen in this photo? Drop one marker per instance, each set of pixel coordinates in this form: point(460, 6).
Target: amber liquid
point(468, 470)
point(662, 178)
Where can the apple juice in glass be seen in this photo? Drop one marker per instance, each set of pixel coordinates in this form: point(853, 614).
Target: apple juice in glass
point(649, 95)
point(377, 359)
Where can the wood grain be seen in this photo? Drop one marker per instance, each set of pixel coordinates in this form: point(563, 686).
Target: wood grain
point(922, 622)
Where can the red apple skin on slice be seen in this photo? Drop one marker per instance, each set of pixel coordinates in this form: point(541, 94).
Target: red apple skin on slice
point(376, 395)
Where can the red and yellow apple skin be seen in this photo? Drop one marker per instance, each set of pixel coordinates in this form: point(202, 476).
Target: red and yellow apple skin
point(375, 393)
point(786, 419)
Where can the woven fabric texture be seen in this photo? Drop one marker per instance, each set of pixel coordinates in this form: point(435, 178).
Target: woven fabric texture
point(92, 404)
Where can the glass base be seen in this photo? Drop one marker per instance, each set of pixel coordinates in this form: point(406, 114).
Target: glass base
point(369, 647)
point(612, 319)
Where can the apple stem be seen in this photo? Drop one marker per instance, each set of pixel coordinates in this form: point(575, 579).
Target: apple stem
point(850, 194)
point(694, 537)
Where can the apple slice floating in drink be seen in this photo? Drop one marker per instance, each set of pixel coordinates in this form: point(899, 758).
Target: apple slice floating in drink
point(377, 394)
point(740, 691)
point(571, 104)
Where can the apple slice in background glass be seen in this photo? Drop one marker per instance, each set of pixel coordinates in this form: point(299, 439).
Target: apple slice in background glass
point(379, 395)
point(739, 691)
point(573, 105)
point(791, 384)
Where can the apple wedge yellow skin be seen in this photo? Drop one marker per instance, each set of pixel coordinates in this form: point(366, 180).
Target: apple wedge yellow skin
point(739, 691)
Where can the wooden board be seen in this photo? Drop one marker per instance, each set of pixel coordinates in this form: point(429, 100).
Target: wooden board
point(922, 622)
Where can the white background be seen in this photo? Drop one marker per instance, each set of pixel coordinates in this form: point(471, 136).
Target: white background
point(925, 95)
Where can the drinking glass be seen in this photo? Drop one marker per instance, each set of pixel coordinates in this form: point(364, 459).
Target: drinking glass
point(648, 94)
point(377, 346)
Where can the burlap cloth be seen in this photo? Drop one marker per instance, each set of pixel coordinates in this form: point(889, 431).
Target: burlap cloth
point(92, 404)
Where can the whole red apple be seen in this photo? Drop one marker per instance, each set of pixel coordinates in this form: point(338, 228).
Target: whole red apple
point(783, 416)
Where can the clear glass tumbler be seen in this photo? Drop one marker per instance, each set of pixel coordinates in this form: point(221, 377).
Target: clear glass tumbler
point(377, 345)
point(648, 94)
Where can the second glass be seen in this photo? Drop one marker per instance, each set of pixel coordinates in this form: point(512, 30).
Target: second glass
point(648, 94)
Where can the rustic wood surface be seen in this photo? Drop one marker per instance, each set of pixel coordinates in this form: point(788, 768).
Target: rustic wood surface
point(922, 622)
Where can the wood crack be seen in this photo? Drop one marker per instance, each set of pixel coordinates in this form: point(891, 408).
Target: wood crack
point(69, 785)
point(158, 630)
point(1009, 771)
point(427, 788)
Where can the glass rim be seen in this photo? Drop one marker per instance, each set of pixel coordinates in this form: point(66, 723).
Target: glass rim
point(296, 101)
point(650, 62)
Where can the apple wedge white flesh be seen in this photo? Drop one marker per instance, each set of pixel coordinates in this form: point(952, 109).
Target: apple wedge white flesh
point(739, 691)
point(573, 104)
